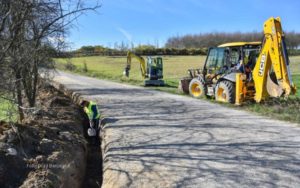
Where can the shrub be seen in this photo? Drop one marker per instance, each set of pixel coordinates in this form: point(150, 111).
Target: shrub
point(85, 68)
point(70, 66)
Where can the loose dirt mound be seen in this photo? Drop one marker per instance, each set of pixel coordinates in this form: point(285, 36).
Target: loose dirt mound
point(49, 149)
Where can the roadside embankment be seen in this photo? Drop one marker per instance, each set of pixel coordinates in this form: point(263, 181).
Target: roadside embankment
point(48, 149)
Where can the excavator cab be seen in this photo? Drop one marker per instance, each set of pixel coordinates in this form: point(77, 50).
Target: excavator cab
point(154, 72)
point(155, 68)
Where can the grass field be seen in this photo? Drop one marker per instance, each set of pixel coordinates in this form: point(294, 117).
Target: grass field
point(175, 67)
point(112, 68)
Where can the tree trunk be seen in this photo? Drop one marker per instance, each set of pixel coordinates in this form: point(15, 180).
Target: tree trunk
point(19, 96)
point(30, 81)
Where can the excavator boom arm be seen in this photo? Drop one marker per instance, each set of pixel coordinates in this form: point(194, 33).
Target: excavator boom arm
point(140, 59)
point(273, 57)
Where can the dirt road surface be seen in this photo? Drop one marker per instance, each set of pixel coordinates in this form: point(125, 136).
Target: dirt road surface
point(155, 139)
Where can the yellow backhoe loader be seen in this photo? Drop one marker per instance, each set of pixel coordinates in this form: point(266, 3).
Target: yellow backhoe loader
point(243, 71)
point(152, 72)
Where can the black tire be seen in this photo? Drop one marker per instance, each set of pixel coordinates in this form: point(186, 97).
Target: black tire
point(225, 92)
point(197, 88)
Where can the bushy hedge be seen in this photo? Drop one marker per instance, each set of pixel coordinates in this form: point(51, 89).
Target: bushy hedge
point(142, 50)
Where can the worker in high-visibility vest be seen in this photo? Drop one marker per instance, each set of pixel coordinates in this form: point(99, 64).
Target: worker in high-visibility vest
point(91, 110)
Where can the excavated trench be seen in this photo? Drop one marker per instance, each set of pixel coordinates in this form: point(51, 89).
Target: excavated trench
point(93, 171)
point(93, 167)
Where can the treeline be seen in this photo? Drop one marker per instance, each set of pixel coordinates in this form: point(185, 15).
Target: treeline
point(184, 45)
point(140, 50)
point(204, 40)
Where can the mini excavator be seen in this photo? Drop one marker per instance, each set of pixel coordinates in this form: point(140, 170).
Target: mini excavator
point(152, 71)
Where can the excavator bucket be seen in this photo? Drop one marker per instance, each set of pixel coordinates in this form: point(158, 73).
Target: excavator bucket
point(274, 90)
point(126, 72)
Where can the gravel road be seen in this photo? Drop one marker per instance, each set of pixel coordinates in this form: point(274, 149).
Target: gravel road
point(155, 139)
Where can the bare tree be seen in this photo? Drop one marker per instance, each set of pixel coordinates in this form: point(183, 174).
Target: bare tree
point(28, 29)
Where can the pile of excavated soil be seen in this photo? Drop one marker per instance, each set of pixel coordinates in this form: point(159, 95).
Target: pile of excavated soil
point(48, 149)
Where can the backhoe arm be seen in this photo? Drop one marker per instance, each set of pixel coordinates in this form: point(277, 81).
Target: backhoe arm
point(140, 59)
point(273, 57)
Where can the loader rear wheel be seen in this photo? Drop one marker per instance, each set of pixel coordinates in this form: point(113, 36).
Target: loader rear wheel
point(197, 88)
point(225, 92)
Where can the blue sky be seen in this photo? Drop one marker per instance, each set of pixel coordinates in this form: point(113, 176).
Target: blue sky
point(154, 21)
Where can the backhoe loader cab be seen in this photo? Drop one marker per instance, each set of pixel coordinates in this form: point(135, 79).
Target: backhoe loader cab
point(221, 65)
point(228, 57)
point(221, 59)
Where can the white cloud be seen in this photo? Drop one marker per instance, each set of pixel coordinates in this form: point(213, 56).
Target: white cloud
point(125, 33)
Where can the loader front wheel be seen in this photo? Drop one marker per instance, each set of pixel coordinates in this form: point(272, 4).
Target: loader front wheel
point(197, 88)
point(225, 92)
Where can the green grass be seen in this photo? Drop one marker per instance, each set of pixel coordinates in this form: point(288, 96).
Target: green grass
point(295, 65)
point(175, 67)
point(287, 110)
point(5, 107)
point(296, 80)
